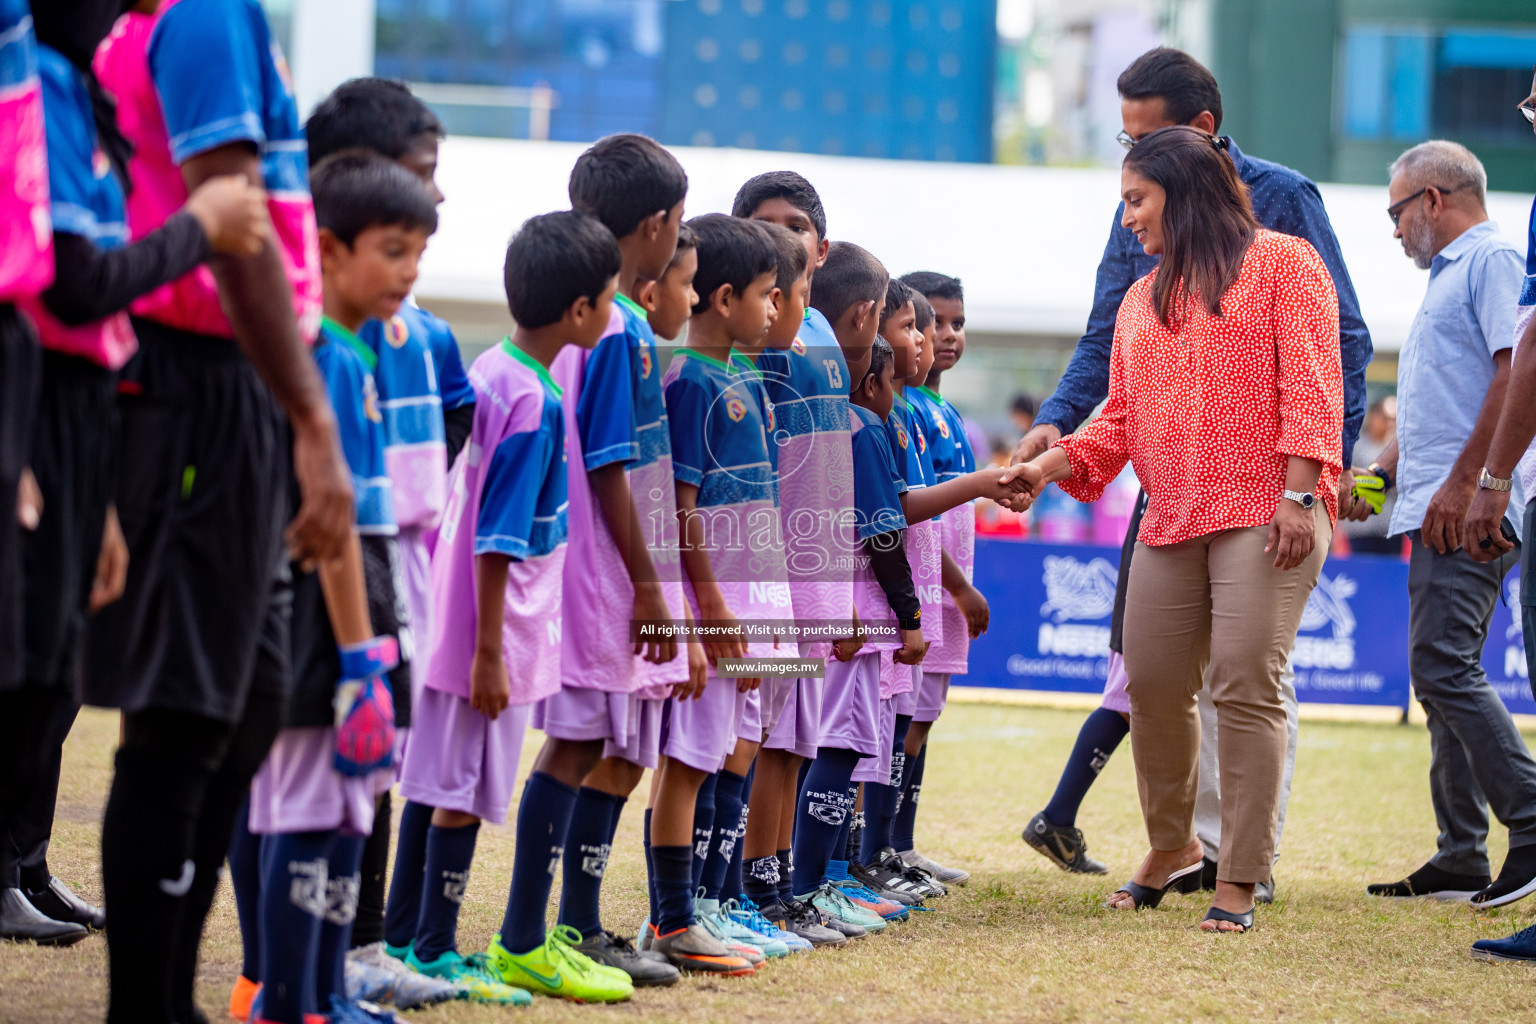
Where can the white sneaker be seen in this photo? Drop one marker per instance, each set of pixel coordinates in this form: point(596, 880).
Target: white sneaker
point(405, 988)
point(949, 876)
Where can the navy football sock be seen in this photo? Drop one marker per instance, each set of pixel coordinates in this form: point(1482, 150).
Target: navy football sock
point(880, 798)
point(905, 823)
point(450, 851)
point(786, 875)
point(847, 844)
point(543, 819)
point(824, 810)
point(674, 893)
point(245, 877)
point(650, 867)
point(343, 883)
point(1098, 738)
point(587, 845)
point(292, 908)
point(703, 827)
point(726, 834)
point(402, 910)
point(734, 887)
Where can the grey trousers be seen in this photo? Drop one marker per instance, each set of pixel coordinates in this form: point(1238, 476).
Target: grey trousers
point(1478, 759)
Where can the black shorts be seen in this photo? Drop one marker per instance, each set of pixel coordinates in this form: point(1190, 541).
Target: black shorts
point(74, 457)
point(18, 397)
point(316, 663)
point(1117, 622)
point(203, 498)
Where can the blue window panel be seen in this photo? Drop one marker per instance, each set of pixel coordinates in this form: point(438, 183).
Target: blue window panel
point(1479, 49)
point(1412, 83)
point(1365, 82)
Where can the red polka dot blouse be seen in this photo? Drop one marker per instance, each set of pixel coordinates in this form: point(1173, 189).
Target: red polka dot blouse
point(1208, 412)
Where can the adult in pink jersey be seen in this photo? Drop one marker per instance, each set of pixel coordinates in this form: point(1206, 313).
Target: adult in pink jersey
point(195, 652)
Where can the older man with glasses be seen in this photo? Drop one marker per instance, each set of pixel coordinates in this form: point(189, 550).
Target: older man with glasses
point(1453, 375)
point(1484, 540)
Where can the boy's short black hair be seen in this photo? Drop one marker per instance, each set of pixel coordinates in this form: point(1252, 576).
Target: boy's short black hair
point(358, 189)
point(623, 179)
point(897, 294)
point(850, 275)
point(881, 355)
point(686, 240)
point(923, 308)
point(1023, 404)
point(731, 251)
point(369, 113)
point(552, 261)
point(792, 255)
point(935, 285)
point(1184, 84)
point(785, 185)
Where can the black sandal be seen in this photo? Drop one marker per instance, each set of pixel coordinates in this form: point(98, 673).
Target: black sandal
point(1244, 921)
point(1145, 897)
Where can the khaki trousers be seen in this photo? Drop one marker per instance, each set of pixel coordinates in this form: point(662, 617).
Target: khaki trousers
point(1214, 602)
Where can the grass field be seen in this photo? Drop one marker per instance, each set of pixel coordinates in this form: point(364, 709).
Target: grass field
point(1023, 941)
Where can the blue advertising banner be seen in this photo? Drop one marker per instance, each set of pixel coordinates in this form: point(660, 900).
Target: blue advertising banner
point(1052, 604)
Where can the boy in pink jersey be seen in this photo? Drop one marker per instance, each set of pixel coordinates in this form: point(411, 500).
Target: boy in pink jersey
point(496, 647)
point(623, 562)
point(192, 653)
point(966, 613)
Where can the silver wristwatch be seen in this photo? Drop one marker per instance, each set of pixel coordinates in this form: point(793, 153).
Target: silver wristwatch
point(1304, 500)
point(1488, 482)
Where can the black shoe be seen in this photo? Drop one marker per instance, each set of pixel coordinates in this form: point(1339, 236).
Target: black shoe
point(1264, 892)
point(1062, 845)
point(20, 921)
point(644, 969)
point(888, 880)
point(1429, 881)
point(1207, 877)
point(1146, 897)
point(925, 882)
point(1244, 921)
point(59, 902)
point(1516, 881)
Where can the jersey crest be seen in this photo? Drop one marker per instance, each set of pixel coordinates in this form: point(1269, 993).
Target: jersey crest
point(798, 346)
point(735, 408)
point(944, 429)
point(645, 362)
point(901, 436)
point(396, 332)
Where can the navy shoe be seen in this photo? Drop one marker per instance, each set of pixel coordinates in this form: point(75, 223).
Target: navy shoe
point(1519, 946)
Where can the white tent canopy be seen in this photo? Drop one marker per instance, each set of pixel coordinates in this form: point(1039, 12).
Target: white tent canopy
point(1025, 240)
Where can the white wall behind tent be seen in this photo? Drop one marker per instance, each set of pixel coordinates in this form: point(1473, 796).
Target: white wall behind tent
point(1025, 240)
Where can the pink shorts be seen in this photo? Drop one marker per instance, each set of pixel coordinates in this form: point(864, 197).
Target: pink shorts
point(702, 733)
point(298, 790)
point(777, 694)
point(850, 705)
point(750, 728)
point(1115, 698)
point(644, 734)
point(462, 761)
point(932, 695)
point(878, 767)
point(798, 729)
point(580, 713)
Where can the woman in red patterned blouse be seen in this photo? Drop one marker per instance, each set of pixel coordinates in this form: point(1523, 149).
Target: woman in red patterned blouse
point(1226, 396)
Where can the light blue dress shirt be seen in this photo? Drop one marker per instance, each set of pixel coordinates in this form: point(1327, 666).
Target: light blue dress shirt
point(1446, 365)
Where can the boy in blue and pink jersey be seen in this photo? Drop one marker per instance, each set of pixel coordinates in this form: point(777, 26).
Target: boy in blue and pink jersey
point(965, 609)
point(190, 653)
point(314, 797)
point(730, 552)
point(623, 562)
point(495, 649)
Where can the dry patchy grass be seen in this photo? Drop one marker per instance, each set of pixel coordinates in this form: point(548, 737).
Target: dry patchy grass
point(1022, 942)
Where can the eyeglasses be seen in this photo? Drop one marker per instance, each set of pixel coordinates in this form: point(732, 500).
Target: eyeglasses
point(1129, 142)
point(1527, 110)
point(1395, 211)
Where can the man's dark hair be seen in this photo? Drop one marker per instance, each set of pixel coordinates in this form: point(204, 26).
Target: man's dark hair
point(731, 251)
point(881, 355)
point(897, 294)
point(935, 285)
point(369, 113)
point(358, 189)
point(1183, 83)
point(785, 185)
point(552, 261)
point(850, 275)
point(923, 308)
point(624, 179)
point(686, 240)
point(792, 255)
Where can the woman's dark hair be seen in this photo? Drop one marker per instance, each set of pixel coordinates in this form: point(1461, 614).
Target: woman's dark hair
point(732, 251)
point(1208, 223)
point(1181, 82)
point(552, 261)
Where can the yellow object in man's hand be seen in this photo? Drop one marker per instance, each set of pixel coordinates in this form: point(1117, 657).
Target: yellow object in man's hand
point(1370, 489)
